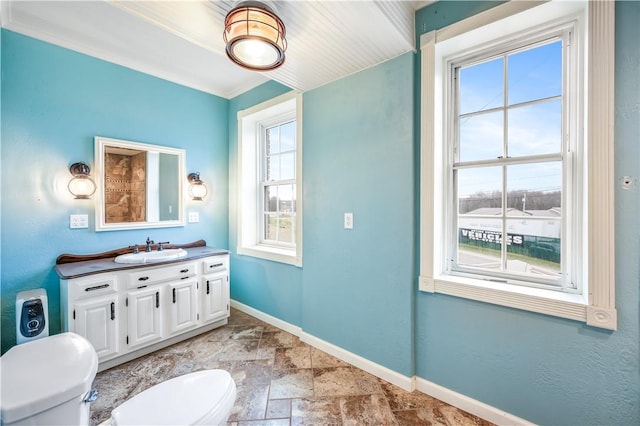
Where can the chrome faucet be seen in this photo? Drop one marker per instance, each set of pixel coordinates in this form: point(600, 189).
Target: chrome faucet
point(135, 248)
point(149, 242)
point(160, 248)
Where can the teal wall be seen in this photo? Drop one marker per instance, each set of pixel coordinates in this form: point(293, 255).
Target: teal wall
point(357, 289)
point(358, 158)
point(545, 369)
point(54, 101)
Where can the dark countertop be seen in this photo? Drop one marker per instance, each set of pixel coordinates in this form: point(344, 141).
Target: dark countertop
point(68, 271)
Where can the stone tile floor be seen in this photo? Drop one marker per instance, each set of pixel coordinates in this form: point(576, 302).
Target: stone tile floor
point(280, 379)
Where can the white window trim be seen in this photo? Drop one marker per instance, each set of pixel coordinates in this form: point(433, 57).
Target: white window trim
point(596, 306)
point(249, 120)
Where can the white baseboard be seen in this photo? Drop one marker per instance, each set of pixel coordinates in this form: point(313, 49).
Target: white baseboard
point(470, 405)
point(404, 382)
point(456, 399)
point(288, 327)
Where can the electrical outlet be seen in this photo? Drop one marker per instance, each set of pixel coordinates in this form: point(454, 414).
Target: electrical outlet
point(77, 221)
point(194, 217)
point(348, 221)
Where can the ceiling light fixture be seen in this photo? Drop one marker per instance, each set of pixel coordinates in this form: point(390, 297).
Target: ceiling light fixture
point(255, 36)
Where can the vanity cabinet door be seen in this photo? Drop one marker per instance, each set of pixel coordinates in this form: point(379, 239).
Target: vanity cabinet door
point(215, 297)
point(144, 316)
point(183, 309)
point(97, 320)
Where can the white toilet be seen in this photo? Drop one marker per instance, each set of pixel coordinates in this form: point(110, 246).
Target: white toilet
point(48, 382)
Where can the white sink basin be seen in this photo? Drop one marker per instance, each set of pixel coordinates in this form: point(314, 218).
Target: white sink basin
point(152, 256)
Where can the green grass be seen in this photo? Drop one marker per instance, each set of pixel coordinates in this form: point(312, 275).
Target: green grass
point(514, 256)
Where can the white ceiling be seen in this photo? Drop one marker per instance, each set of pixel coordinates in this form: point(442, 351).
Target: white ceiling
point(181, 41)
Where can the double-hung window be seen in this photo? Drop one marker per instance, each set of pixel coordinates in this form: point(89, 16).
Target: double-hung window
point(269, 198)
point(512, 166)
point(278, 184)
point(516, 203)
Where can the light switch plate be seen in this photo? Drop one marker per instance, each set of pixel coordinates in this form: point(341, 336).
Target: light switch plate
point(348, 221)
point(78, 221)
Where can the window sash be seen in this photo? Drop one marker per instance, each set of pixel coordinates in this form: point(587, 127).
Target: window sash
point(277, 242)
point(452, 215)
point(263, 211)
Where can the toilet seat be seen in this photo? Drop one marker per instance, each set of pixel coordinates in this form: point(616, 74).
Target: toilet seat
point(203, 397)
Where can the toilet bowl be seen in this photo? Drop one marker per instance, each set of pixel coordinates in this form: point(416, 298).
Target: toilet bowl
point(48, 382)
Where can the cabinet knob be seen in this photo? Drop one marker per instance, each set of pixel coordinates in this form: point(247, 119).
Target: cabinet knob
point(143, 278)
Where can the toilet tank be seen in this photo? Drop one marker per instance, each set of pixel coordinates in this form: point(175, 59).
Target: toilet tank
point(45, 381)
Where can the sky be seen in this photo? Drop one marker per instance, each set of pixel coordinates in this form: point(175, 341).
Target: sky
point(533, 80)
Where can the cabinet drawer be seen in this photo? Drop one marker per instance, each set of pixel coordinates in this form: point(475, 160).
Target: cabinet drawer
point(215, 264)
point(94, 286)
point(145, 277)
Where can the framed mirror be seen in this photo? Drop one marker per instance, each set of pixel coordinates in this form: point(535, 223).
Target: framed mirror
point(139, 185)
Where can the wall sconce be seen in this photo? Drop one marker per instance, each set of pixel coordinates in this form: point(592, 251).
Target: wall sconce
point(255, 36)
point(197, 188)
point(81, 186)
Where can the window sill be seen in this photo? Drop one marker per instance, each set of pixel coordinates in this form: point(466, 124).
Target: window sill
point(272, 253)
point(548, 302)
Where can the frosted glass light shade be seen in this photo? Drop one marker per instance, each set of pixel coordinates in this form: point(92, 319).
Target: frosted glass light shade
point(81, 186)
point(255, 37)
point(197, 188)
point(198, 192)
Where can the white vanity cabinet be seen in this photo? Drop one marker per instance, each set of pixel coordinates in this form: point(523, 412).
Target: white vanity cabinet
point(131, 311)
point(161, 301)
point(144, 317)
point(183, 306)
point(91, 308)
point(96, 320)
point(215, 289)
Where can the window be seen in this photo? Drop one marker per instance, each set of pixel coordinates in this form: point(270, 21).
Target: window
point(278, 184)
point(269, 176)
point(516, 173)
point(509, 168)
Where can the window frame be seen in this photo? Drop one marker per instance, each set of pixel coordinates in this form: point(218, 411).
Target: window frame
point(568, 155)
point(250, 214)
point(596, 304)
point(264, 126)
